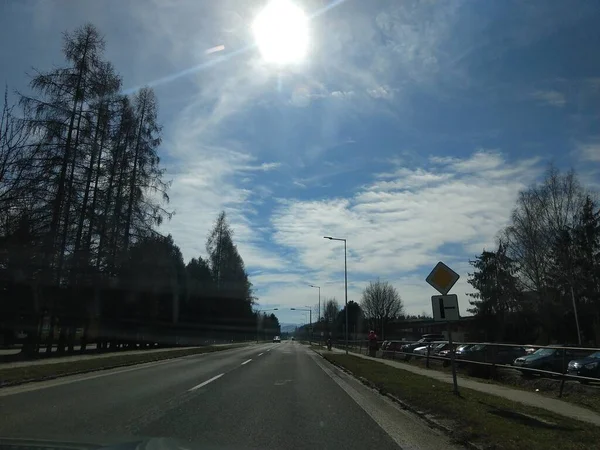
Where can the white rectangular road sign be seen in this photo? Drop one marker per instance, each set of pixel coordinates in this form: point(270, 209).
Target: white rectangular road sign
point(445, 308)
point(442, 278)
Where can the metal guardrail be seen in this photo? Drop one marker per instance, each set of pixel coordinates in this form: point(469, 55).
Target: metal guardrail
point(492, 362)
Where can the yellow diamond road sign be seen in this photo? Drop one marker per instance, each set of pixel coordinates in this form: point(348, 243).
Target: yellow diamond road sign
point(442, 278)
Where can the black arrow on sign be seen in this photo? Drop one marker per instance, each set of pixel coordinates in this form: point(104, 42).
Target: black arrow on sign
point(444, 308)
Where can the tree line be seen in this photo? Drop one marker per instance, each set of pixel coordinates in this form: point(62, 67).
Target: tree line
point(82, 195)
point(380, 309)
point(542, 282)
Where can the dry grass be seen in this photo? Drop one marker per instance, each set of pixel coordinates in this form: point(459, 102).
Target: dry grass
point(477, 417)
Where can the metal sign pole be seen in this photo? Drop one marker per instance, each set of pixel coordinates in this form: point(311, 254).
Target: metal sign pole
point(452, 360)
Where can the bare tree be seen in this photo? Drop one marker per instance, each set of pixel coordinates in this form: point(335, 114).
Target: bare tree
point(542, 212)
point(331, 308)
point(539, 240)
point(381, 303)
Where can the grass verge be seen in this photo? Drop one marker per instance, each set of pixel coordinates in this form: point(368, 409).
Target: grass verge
point(574, 392)
point(19, 375)
point(477, 417)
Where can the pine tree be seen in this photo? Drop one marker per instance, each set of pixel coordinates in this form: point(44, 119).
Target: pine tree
point(497, 289)
point(586, 262)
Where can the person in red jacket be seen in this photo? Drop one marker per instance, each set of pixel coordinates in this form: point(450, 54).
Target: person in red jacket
point(372, 343)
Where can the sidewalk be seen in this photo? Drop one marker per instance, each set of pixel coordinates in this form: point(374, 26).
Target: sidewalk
point(527, 398)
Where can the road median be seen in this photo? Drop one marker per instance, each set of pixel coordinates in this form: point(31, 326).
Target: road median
point(39, 372)
point(474, 417)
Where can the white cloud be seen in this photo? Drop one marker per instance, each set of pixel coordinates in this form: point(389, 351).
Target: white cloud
point(589, 152)
point(552, 98)
point(382, 92)
point(405, 224)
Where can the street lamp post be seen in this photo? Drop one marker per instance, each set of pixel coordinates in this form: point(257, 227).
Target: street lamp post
point(345, 284)
point(319, 288)
point(309, 309)
point(319, 313)
point(258, 319)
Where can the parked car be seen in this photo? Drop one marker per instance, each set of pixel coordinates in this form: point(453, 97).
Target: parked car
point(547, 359)
point(462, 348)
point(586, 367)
point(492, 353)
point(425, 339)
point(434, 348)
point(530, 349)
point(420, 351)
point(390, 348)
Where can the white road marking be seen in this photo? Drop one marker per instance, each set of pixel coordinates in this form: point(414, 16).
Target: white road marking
point(246, 362)
point(260, 354)
point(206, 382)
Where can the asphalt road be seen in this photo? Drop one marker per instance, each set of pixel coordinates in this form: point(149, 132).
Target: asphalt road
point(267, 396)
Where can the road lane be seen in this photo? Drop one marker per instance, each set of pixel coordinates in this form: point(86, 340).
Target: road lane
point(286, 398)
point(107, 403)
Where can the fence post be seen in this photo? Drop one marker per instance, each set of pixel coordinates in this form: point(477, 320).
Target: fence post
point(494, 353)
point(562, 382)
point(427, 359)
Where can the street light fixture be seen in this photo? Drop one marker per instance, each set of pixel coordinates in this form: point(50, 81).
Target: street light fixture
point(309, 309)
point(258, 321)
point(345, 283)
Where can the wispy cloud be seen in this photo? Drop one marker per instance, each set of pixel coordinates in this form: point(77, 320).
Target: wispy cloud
point(589, 152)
point(551, 98)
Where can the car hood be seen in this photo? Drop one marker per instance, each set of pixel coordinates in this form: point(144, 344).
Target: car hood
point(532, 358)
point(584, 361)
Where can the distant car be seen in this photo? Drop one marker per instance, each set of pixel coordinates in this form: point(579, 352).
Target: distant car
point(462, 349)
point(277, 339)
point(586, 367)
point(434, 348)
point(420, 351)
point(425, 339)
point(292, 338)
point(547, 359)
point(530, 349)
point(491, 353)
point(389, 348)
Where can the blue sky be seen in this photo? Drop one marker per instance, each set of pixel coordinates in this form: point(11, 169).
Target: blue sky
point(409, 128)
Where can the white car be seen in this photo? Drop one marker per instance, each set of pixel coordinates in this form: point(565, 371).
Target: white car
point(276, 339)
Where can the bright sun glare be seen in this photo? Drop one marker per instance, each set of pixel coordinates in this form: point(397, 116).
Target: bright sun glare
point(281, 32)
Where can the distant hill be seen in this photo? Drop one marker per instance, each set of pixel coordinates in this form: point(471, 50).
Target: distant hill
point(288, 327)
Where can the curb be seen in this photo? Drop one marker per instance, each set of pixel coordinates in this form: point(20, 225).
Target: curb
point(98, 369)
point(428, 418)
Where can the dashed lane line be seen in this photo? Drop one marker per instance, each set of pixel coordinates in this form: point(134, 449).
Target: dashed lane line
point(206, 382)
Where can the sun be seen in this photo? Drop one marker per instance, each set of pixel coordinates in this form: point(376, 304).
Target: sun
point(281, 32)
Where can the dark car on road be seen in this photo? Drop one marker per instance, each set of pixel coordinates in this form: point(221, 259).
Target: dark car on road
point(550, 359)
point(586, 367)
